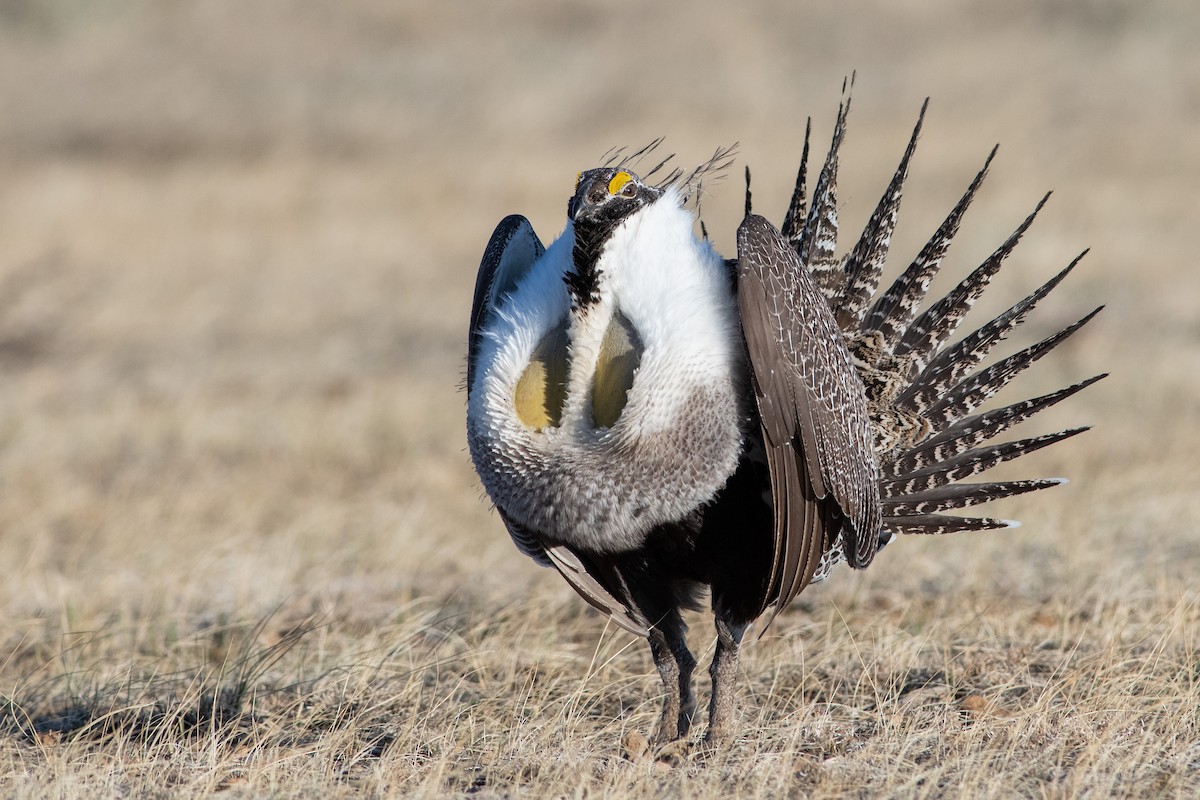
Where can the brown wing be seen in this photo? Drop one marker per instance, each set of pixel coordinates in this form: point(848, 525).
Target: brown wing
point(588, 583)
point(584, 578)
point(813, 411)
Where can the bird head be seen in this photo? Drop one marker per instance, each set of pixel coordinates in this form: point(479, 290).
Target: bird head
point(606, 195)
point(604, 199)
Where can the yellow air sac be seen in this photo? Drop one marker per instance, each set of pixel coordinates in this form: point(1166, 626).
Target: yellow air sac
point(620, 354)
point(542, 388)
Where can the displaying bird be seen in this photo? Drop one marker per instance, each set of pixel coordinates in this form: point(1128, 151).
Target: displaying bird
point(651, 419)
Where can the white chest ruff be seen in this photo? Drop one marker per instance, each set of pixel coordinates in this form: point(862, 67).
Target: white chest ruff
point(679, 436)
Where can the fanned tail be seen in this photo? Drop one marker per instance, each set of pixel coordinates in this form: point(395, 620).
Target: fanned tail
point(923, 392)
point(793, 220)
point(974, 430)
point(818, 238)
point(952, 363)
point(973, 391)
point(893, 312)
point(864, 265)
point(966, 464)
point(931, 330)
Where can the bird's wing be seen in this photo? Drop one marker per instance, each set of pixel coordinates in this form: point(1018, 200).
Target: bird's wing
point(813, 412)
point(509, 254)
point(584, 578)
point(590, 586)
point(511, 251)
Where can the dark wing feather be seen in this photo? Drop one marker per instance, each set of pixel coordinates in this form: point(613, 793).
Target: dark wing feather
point(584, 578)
point(813, 412)
point(592, 589)
point(526, 541)
point(508, 256)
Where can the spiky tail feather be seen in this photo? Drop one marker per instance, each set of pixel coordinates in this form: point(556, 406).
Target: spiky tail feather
point(922, 392)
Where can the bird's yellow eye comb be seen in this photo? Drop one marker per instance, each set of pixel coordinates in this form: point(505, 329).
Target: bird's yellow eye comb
point(618, 182)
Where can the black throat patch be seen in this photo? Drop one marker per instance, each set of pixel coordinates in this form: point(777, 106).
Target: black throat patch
point(591, 236)
point(583, 280)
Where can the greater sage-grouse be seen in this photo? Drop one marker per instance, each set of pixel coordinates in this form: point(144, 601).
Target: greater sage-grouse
point(651, 419)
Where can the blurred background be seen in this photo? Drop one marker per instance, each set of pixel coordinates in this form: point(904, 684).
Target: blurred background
point(238, 243)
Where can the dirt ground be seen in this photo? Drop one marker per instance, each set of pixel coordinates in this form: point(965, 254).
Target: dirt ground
point(243, 548)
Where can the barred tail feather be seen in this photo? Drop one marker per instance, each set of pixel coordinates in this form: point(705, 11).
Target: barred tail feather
point(922, 481)
point(818, 239)
point(937, 524)
point(893, 312)
point(968, 463)
point(968, 395)
point(864, 265)
point(976, 429)
point(948, 367)
point(925, 336)
point(793, 221)
point(960, 495)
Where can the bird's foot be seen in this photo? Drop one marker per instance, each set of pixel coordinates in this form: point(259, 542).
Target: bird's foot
point(665, 756)
point(635, 747)
point(673, 754)
point(674, 724)
point(715, 740)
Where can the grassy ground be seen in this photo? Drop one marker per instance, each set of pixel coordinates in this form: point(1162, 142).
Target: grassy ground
point(243, 548)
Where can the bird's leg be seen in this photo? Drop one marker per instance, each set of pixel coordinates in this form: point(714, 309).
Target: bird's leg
point(675, 664)
point(723, 670)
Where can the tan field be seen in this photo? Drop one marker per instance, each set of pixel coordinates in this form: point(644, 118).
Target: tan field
point(243, 547)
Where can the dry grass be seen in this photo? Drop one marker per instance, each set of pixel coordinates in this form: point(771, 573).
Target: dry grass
point(244, 552)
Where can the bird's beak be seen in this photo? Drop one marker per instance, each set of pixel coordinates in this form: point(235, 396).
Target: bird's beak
point(576, 203)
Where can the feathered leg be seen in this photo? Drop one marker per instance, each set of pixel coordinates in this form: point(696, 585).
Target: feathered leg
point(675, 665)
point(723, 705)
point(656, 605)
